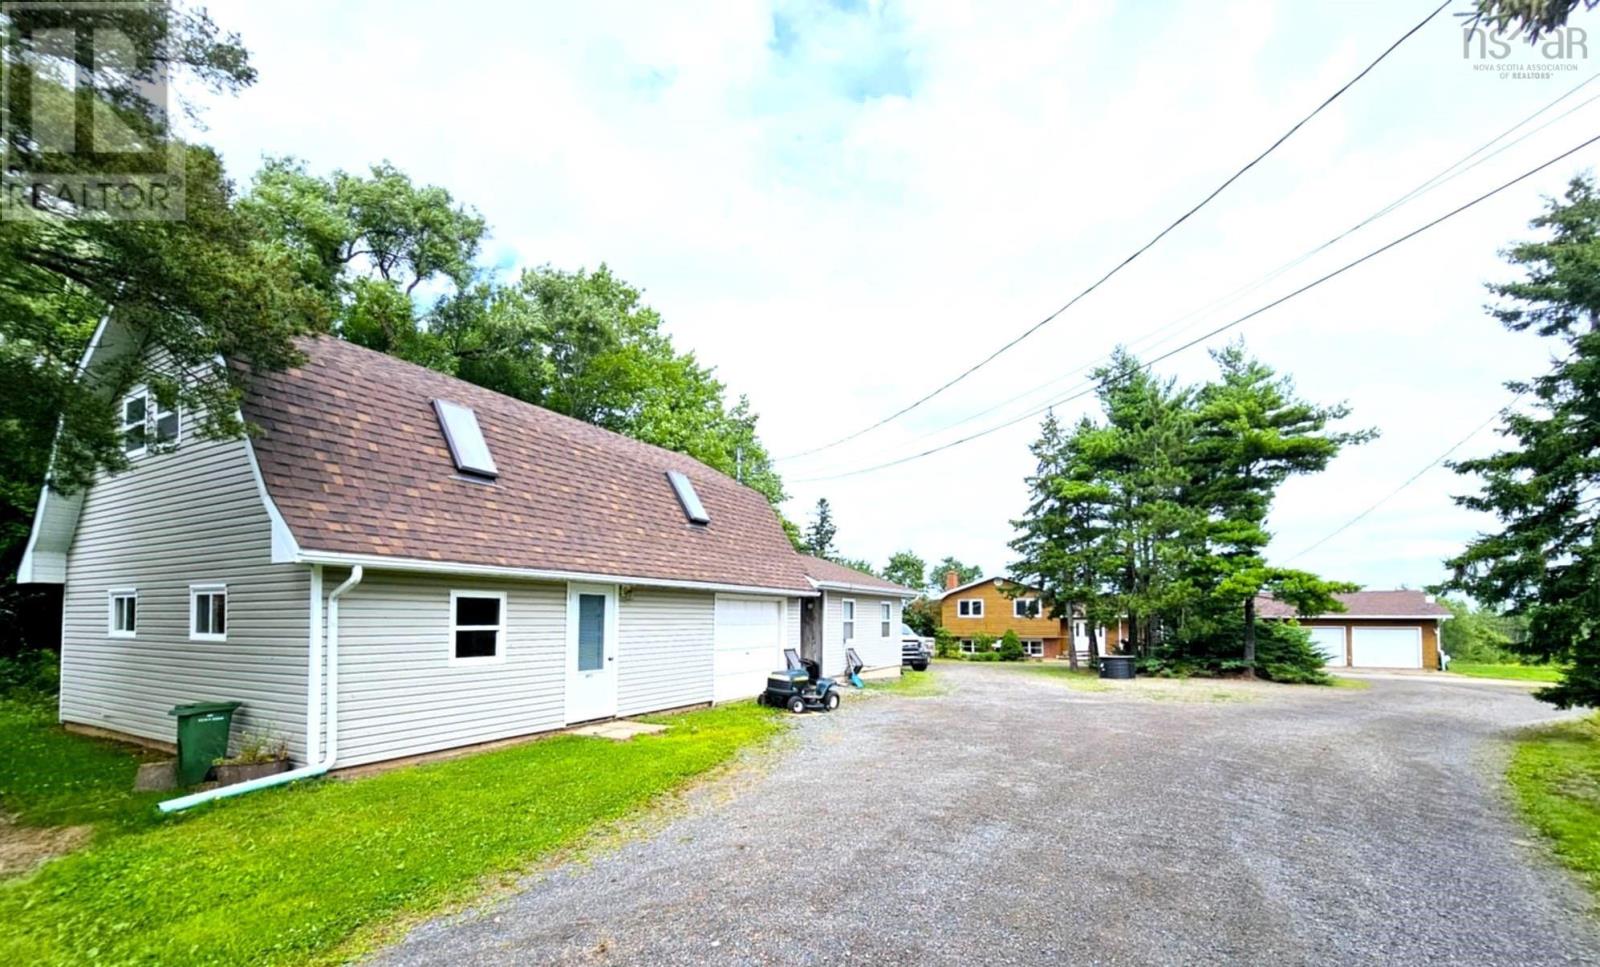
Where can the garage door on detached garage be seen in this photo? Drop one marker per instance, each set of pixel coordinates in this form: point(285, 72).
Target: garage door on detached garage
point(1330, 642)
point(1386, 647)
point(749, 645)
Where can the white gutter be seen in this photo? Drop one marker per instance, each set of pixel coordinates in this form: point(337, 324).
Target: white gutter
point(313, 683)
point(421, 565)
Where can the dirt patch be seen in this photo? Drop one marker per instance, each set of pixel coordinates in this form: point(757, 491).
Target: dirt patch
point(24, 847)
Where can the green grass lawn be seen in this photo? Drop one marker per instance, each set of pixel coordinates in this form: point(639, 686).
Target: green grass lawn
point(913, 684)
point(1521, 673)
point(1555, 774)
point(288, 875)
point(49, 777)
point(1356, 684)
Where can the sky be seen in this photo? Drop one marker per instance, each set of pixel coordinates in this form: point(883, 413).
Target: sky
point(842, 205)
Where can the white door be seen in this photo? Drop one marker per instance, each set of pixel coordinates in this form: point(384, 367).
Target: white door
point(1329, 641)
point(749, 646)
point(591, 652)
point(1386, 648)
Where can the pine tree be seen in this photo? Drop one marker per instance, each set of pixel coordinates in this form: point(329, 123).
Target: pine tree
point(820, 535)
point(1544, 563)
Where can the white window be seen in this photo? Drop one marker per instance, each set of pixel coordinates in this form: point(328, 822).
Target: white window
point(122, 613)
point(967, 647)
point(969, 608)
point(208, 612)
point(1033, 647)
point(135, 416)
point(166, 422)
point(1025, 607)
point(477, 627)
point(847, 609)
point(885, 619)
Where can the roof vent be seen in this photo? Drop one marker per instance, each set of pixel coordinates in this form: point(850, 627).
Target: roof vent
point(465, 438)
point(692, 508)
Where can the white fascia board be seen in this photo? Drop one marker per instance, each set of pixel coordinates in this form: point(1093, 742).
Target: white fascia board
point(379, 562)
point(1344, 616)
point(902, 593)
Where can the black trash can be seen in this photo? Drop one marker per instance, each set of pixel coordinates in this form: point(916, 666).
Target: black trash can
point(1116, 666)
point(202, 737)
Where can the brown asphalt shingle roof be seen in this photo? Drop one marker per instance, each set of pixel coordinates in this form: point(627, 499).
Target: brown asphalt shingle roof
point(1366, 604)
point(352, 454)
point(828, 572)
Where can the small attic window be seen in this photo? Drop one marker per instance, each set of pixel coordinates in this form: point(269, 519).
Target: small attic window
point(692, 508)
point(465, 438)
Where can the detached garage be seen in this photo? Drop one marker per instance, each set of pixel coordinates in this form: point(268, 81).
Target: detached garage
point(1377, 629)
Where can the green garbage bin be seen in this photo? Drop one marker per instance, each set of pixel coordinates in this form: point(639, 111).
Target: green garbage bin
point(202, 737)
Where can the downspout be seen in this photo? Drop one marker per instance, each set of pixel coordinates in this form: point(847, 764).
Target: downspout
point(313, 688)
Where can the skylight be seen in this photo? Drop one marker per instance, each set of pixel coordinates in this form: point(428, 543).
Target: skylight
point(467, 446)
point(692, 508)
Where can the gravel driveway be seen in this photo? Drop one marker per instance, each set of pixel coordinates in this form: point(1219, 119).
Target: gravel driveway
point(1015, 821)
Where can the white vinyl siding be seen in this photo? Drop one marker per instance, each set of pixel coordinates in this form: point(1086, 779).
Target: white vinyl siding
point(664, 658)
point(399, 692)
point(178, 518)
point(791, 638)
point(876, 651)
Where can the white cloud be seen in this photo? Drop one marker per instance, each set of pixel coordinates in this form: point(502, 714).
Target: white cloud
point(843, 217)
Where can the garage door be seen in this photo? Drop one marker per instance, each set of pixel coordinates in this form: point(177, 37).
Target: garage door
point(1329, 641)
point(749, 646)
point(1386, 648)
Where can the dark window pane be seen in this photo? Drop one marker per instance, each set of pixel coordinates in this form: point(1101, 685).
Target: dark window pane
point(591, 631)
point(130, 614)
point(477, 611)
point(476, 644)
point(202, 614)
point(219, 614)
point(167, 427)
point(133, 410)
point(133, 439)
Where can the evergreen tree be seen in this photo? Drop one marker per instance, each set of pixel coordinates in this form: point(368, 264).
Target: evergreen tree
point(820, 535)
point(1544, 563)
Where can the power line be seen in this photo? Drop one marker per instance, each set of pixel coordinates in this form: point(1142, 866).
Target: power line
point(1126, 261)
point(1408, 482)
point(1225, 326)
point(1444, 176)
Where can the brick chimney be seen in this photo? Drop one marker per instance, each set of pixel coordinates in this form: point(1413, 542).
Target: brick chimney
point(951, 581)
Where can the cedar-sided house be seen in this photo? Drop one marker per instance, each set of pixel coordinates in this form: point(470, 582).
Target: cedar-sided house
point(993, 606)
point(399, 562)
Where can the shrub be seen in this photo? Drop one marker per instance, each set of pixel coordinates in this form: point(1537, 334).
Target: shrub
point(1011, 647)
point(36, 672)
point(1283, 653)
point(944, 643)
point(257, 747)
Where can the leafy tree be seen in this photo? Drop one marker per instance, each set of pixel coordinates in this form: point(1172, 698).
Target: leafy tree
point(1477, 635)
point(819, 536)
point(1010, 646)
point(1544, 562)
point(186, 290)
point(922, 614)
point(964, 572)
point(859, 564)
point(907, 570)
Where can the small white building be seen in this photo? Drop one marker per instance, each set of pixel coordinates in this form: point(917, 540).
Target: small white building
point(398, 562)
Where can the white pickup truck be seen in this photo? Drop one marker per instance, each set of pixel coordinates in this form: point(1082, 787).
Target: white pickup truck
point(915, 650)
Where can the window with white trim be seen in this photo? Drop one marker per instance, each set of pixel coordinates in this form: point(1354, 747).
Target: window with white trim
point(1025, 607)
point(208, 612)
point(165, 423)
point(477, 627)
point(969, 608)
point(847, 610)
point(122, 612)
point(885, 619)
point(135, 417)
point(1033, 647)
point(968, 647)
